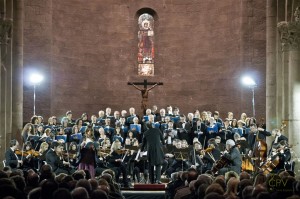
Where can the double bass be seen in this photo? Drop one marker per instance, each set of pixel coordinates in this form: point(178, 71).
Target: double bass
point(259, 151)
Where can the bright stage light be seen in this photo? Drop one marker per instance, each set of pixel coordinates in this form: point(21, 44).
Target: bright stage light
point(248, 81)
point(36, 78)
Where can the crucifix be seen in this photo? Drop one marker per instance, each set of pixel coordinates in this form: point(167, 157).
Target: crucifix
point(144, 91)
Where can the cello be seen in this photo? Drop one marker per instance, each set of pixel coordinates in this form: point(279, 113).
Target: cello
point(222, 162)
point(259, 151)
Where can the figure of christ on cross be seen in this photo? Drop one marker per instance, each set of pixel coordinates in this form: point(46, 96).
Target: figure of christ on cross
point(144, 91)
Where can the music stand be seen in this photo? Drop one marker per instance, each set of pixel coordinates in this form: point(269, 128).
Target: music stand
point(181, 154)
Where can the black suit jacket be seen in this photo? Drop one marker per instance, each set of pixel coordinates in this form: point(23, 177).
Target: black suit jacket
point(53, 160)
point(11, 158)
point(153, 139)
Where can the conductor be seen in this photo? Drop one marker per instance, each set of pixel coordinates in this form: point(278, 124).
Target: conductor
point(153, 140)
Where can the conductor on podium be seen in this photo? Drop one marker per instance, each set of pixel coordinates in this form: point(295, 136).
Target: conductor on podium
point(153, 141)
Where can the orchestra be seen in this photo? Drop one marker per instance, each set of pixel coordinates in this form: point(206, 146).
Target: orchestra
point(201, 141)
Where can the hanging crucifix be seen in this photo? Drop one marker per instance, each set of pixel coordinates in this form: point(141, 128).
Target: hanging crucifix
point(144, 91)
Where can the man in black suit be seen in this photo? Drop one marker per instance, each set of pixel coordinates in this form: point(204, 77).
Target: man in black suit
point(10, 156)
point(233, 155)
point(278, 137)
point(153, 139)
point(256, 134)
point(54, 157)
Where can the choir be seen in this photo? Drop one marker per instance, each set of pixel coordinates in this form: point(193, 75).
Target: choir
point(200, 140)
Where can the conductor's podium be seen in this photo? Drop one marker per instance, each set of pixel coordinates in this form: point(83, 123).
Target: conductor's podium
point(154, 187)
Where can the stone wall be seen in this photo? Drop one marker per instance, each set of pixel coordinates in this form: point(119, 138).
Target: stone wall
point(87, 51)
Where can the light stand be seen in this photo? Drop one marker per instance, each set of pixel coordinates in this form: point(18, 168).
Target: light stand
point(248, 81)
point(35, 80)
point(253, 102)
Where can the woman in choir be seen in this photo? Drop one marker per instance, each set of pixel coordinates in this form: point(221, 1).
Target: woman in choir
point(64, 122)
point(87, 158)
point(233, 123)
point(136, 132)
point(212, 129)
point(85, 120)
point(79, 123)
point(75, 129)
point(93, 120)
point(118, 133)
point(34, 120)
point(40, 129)
point(204, 117)
point(27, 131)
point(250, 121)
point(102, 135)
point(230, 116)
point(243, 117)
point(54, 120)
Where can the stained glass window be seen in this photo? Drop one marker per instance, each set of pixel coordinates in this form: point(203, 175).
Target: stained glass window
point(146, 45)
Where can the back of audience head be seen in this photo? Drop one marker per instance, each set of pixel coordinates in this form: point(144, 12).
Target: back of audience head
point(231, 174)
point(111, 172)
point(213, 195)
point(33, 180)
point(263, 195)
point(258, 189)
point(19, 182)
point(260, 178)
point(34, 193)
point(94, 184)
point(77, 175)
point(247, 192)
point(214, 188)
point(7, 169)
point(221, 182)
point(244, 175)
point(85, 184)
point(96, 194)
point(3, 174)
point(62, 193)
point(242, 184)
point(107, 177)
point(104, 186)
point(48, 187)
point(192, 175)
point(80, 193)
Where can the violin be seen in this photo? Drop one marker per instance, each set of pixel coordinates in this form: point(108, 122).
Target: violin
point(31, 152)
point(121, 151)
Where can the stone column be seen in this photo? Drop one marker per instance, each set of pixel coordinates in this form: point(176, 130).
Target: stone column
point(290, 40)
point(5, 76)
point(271, 69)
point(17, 79)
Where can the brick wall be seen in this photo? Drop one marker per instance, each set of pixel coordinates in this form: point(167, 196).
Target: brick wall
point(87, 50)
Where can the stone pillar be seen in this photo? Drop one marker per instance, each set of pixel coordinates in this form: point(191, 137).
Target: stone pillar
point(290, 40)
point(5, 75)
point(271, 66)
point(17, 79)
